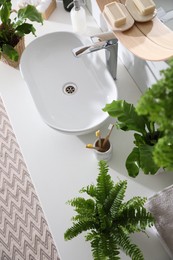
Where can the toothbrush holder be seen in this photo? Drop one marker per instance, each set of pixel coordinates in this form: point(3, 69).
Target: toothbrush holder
point(103, 155)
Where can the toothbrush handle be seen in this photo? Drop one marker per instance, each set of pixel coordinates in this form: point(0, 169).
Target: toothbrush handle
point(107, 137)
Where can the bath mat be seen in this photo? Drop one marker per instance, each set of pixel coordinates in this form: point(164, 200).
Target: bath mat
point(24, 232)
point(161, 206)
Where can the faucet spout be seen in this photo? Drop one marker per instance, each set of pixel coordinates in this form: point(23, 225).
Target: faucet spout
point(111, 50)
point(90, 48)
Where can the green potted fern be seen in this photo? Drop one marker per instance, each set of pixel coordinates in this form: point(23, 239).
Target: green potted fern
point(107, 219)
point(146, 136)
point(13, 27)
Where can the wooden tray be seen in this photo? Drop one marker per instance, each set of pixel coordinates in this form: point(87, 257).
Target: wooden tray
point(140, 44)
point(159, 33)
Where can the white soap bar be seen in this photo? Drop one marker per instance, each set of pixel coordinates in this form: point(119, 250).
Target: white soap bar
point(115, 14)
point(145, 7)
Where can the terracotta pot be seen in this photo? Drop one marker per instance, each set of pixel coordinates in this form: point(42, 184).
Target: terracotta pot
point(19, 48)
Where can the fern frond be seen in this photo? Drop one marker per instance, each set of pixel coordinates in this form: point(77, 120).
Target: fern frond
point(104, 247)
point(83, 206)
point(145, 218)
point(91, 235)
point(85, 218)
point(135, 202)
point(130, 249)
point(78, 228)
point(133, 216)
point(90, 190)
point(121, 189)
point(110, 199)
point(105, 221)
point(96, 249)
point(104, 182)
point(110, 247)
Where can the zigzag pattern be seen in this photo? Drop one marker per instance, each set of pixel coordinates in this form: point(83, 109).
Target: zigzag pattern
point(24, 232)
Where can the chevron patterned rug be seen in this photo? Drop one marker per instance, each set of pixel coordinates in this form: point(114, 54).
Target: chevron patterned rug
point(24, 232)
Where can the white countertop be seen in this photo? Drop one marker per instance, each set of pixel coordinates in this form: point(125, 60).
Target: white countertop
point(60, 165)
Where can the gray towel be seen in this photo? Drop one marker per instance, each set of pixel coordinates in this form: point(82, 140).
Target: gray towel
point(161, 206)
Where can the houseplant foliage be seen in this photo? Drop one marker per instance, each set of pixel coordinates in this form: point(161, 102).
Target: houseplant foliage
point(146, 136)
point(13, 29)
point(157, 104)
point(108, 219)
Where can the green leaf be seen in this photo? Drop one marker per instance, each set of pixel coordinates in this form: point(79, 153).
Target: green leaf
point(163, 152)
point(139, 139)
point(141, 157)
point(147, 163)
point(25, 28)
point(114, 109)
point(10, 52)
point(31, 13)
point(133, 162)
point(127, 117)
point(5, 11)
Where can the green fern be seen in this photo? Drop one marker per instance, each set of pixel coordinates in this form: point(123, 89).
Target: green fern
point(108, 219)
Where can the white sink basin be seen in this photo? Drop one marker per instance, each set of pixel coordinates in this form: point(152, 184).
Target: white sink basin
point(68, 92)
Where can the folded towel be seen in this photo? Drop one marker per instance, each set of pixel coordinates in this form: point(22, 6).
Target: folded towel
point(161, 206)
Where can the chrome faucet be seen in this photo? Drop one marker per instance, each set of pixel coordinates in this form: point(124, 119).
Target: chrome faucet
point(105, 41)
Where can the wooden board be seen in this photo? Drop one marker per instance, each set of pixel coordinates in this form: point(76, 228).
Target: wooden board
point(143, 47)
point(156, 31)
point(139, 43)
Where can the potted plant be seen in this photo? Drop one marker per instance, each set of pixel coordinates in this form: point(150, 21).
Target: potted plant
point(157, 104)
point(13, 28)
point(146, 136)
point(108, 219)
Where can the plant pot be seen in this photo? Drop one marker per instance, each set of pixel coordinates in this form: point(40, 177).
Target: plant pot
point(103, 155)
point(49, 10)
point(19, 48)
point(160, 171)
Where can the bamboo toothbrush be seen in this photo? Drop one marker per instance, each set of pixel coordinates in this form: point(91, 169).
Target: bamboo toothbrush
point(90, 146)
point(98, 134)
point(110, 128)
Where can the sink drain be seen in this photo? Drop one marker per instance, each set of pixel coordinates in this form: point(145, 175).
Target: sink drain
point(70, 88)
